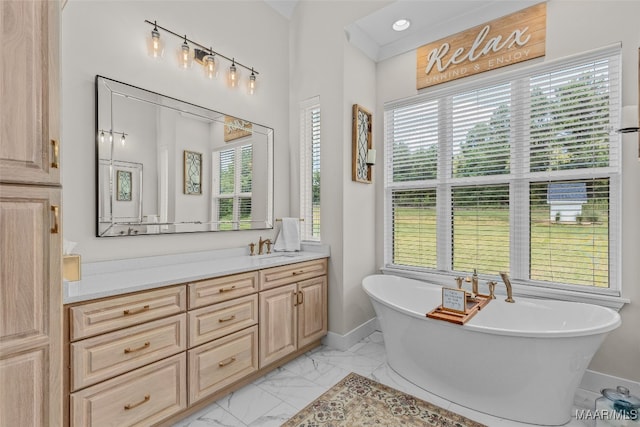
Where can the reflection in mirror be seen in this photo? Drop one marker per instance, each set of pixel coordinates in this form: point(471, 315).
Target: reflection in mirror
point(167, 166)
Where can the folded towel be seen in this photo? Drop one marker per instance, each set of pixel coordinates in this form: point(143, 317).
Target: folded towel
point(288, 239)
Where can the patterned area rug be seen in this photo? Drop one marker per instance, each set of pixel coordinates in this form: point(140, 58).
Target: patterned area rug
point(359, 401)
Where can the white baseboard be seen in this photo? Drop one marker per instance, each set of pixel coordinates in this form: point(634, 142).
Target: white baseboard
point(346, 341)
point(594, 381)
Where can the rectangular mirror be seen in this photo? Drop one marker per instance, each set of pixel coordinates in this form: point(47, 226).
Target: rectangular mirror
point(167, 166)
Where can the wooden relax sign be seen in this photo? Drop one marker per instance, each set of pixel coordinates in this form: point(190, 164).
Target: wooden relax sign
point(504, 41)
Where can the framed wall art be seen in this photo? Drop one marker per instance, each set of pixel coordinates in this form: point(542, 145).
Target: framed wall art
point(124, 185)
point(362, 140)
point(192, 172)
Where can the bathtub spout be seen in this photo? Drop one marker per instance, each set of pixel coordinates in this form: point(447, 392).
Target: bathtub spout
point(507, 284)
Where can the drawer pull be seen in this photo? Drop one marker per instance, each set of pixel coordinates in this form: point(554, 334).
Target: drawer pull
point(133, 350)
point(56, 219)
point(295, 273)
point(140, 310)
point(227, 289)
point(128, 406)
point(56, 154)
point(227, 319)
point(229, 361)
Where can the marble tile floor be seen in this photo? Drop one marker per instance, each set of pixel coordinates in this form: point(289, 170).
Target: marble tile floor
point(274, 398)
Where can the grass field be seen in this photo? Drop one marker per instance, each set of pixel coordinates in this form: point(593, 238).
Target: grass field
point(559, 252)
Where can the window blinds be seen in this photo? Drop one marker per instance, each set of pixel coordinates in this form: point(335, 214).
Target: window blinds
point(310, 133)
point(517, 172)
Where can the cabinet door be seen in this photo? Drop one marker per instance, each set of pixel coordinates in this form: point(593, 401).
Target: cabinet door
point(278, 321)
point(312, 310)
point(31, 307)
point(29, 114)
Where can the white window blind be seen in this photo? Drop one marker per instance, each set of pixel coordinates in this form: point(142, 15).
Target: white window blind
point(232, 184)
point(310, 169)
point(518, 172)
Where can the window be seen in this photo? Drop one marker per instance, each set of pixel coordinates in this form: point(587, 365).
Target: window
point(310, 169)
point(518, 172)
point(232, 186)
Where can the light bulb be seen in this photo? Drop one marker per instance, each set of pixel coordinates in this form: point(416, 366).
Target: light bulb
point(252, 83)
point(110, 136)
point(233, 74)
point(210, 66)
point(122, 139)
point(184, 57)
point(156, 47)
point(101, 136)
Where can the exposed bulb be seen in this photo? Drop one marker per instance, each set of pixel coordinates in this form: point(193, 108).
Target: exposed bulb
point(110, 136)
point(252, 83)
point(156, 47)
point(185, 57)
point(101, 136)
point(233, 74)
point(122, 139)
point(210, 65)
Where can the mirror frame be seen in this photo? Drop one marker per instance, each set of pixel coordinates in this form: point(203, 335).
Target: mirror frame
point(222, 118)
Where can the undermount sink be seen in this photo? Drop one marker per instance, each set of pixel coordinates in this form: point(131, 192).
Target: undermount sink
point(276, 256)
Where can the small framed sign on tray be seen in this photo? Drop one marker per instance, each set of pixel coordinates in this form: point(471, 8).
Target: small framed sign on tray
point(454, 300)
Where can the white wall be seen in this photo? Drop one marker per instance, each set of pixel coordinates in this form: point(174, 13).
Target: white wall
point(323, 64)
point(109, 38)
point(572, 27)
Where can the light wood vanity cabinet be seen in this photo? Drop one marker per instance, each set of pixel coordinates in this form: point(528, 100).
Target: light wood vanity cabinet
point(293, 313)
point(153, 357)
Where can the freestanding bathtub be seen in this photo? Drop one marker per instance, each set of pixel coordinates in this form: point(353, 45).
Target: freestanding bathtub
point(521, 361)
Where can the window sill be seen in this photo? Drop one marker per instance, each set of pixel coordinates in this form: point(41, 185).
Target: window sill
point(610, 301)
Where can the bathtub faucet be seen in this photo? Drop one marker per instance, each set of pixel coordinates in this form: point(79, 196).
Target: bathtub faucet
point(507, 284)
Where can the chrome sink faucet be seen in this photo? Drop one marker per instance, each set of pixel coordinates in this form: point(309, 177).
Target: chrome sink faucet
point(507, 284)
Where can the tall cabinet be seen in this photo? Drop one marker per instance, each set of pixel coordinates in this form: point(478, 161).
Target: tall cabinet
point(30, 195)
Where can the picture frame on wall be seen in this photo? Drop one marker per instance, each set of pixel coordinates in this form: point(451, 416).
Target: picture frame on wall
point(362, 140)
point(192, 173)
point(124, 186)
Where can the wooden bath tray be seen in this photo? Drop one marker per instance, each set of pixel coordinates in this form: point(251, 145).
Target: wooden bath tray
point(460, 318)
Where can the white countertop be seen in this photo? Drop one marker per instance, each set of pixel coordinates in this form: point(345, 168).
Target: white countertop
point(109, 278)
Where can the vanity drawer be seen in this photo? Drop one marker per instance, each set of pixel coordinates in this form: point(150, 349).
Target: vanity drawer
point(218, 320)
point(105, 356)
point(139, 398)
point(120, 312)
point(222, 362)
point(220, 289)
point(276, 276)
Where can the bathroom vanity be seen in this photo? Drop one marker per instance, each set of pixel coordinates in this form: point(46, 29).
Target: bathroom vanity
point(149, 345)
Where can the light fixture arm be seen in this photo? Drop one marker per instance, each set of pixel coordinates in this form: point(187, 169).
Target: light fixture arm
point(201, 46)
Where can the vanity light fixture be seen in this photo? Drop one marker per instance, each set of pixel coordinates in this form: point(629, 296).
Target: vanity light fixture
point(123, 136)
point(203, 55)
point(401, 24)
point(184, 55)
point(233, 74)
point(252, 83)
point(210, 64)
point(156, 46)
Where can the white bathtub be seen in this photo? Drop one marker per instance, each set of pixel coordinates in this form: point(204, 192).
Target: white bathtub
point(521, 361)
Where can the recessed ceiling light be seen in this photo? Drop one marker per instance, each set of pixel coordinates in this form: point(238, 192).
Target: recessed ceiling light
point(401, 24)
